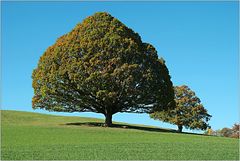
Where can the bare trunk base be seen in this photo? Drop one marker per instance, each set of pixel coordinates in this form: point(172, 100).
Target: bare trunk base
point(108, 120)
point(180, 128)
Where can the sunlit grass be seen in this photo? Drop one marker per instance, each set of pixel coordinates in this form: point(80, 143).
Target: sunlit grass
point(32, 136)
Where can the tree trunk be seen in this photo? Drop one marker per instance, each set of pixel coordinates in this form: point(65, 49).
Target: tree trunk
point(180, 128)
point(108, 119)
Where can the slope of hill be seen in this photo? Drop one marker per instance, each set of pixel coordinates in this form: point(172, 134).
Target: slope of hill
point(34, 136)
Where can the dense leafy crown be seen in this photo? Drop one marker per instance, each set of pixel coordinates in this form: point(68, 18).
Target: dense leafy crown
point(189, 111)
point(101, 65)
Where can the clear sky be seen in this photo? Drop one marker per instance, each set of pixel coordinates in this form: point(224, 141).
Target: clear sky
point(198, 40)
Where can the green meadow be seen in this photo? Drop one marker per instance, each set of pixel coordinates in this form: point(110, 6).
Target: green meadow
point(34, 136)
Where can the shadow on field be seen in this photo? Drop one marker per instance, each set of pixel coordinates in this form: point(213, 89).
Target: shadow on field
point(97, 124)
point(124, 126)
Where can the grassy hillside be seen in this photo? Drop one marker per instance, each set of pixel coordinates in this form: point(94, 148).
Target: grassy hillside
point(33, 136)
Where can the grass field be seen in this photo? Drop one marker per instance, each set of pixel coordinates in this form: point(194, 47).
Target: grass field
point(33, 136)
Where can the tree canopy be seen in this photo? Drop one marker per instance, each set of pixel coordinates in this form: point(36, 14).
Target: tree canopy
point(102, 66)
point(189, 111)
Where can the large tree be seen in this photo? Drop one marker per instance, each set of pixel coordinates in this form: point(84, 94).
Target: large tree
point(102, 66)
point(189, 111)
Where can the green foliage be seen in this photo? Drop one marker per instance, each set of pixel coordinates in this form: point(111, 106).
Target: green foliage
point(189, 111)
point(32, 136)
point(102, 66)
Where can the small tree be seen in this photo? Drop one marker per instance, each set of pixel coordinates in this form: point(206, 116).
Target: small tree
point(189, 111)
point(235, 130)
point(102, 66)
point(226, 132)
point(209, 131)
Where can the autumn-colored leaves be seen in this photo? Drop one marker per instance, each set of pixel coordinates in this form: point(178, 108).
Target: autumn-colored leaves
point(102, 66)
point(189, 111)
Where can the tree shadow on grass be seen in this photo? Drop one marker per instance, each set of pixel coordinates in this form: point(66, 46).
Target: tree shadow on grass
point(122, 126)
point(126, 126)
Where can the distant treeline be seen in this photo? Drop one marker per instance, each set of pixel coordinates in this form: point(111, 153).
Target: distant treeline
point(226, 132)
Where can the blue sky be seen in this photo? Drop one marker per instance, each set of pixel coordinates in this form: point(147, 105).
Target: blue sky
point(198, 40)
